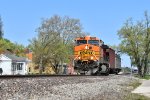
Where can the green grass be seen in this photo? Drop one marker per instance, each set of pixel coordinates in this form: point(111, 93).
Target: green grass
point(135, 84)
point(132, 96)
point(147, 77)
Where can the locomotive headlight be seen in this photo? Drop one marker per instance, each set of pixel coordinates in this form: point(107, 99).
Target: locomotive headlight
point(91, 57)
point(86, 47)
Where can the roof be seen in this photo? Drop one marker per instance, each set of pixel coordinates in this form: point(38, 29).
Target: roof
point(16, 58)
point(105, 46)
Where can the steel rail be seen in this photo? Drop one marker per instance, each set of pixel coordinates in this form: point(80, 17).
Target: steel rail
point(34, 76)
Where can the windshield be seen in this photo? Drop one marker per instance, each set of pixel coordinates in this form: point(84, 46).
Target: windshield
point(79, 42)
point(93, 42)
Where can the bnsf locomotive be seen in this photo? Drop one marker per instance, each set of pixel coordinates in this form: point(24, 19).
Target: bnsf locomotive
point(92, 57)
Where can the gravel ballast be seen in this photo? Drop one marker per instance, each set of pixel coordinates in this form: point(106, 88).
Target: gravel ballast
point(112, 87)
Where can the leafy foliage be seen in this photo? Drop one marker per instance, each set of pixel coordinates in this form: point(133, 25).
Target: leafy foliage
point(55, 39)
point(15, 48)
point(135, 41)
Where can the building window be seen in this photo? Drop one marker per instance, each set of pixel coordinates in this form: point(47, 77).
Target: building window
point(13, 66)
point(19, 66)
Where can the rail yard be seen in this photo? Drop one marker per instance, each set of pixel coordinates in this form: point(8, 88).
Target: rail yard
point(112, 87)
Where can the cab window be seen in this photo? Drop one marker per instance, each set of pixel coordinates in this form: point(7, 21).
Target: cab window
point(79, 42)
point(94, 42)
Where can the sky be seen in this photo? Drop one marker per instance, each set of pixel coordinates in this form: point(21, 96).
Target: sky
point(101, 18)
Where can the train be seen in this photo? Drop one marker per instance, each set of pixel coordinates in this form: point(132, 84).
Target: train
point(93, 57)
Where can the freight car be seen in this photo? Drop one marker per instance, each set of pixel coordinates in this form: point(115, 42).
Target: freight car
point(93, 57)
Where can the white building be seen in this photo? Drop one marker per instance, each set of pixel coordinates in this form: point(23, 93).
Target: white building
point(12, 65)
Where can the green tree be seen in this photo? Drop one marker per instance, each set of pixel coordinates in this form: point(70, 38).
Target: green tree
point(135, 41)
point(4, 45)
point(1, 28)
point(53, 45)
point(18, 49)
point(15, 48)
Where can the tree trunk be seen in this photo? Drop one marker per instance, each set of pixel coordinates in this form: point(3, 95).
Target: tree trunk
point(145, 70)
point(41, 66)
point(139, 70)
point(55, 66)
point(145, 65)
point(62, 67)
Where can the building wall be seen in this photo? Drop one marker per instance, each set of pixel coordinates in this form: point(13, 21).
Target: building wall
point(5, 64)
point(34, 69)
point(22, 71)
point(29, 55)
point(8, 69)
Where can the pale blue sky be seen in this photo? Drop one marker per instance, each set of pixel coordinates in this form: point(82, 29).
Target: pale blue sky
point(101, 18)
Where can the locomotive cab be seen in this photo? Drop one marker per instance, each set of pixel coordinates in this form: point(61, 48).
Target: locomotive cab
point(87, 53)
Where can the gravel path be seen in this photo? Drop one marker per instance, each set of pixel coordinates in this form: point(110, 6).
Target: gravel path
point(112, 87)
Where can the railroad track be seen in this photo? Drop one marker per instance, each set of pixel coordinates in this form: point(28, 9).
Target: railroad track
point(33, 76)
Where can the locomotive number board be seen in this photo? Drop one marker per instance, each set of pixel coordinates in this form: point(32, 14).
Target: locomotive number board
point(86, 52)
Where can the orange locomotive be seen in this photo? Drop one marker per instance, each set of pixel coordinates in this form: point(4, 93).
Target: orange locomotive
point(90, 56)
